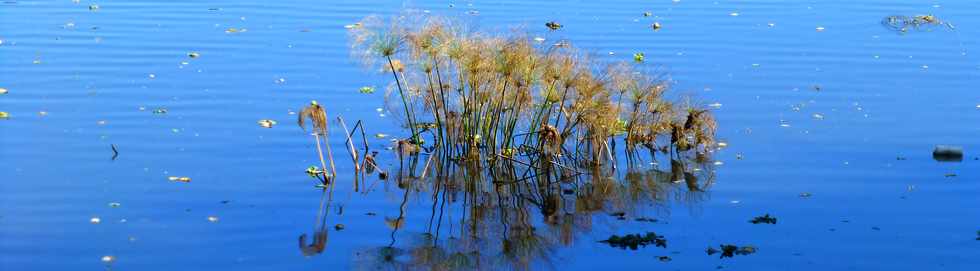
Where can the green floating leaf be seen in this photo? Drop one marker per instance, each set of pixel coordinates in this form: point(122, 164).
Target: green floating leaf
point(367, 89)
point(638, 57)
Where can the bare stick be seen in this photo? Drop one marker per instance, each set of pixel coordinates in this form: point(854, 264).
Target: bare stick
point(350, 144)
point(426, 168)
point(115, 153)
point(319, 151)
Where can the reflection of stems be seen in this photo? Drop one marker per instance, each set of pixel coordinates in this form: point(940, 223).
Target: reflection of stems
point(401, 213)
point(319, 227)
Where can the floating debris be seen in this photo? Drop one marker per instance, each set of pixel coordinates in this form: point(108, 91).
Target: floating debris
point(647, 14)
point(766, 219)
point(733, 14)
point(728, 251)
point(538, 39)
point(266, 123)
point(380, 135)
point(4, 91)
point(4, 115)
point(947, 153)
point(632, 241)
point(179, 179)
point(95, 220)
point(664, 258)
point(553, 25)
point(656, 25)
point(114, 204)
point(108, 258)
point(949, 175)
point(902, 24)
point(805, 195)
point(339, 227)
point(194, 55)
point(638, 57)
point(235, 30)
point(213, 219)
point(817, 116)
point(820, 29)
point(367, 89)
point(160, 110)
point(93, 7)
point(352, 26)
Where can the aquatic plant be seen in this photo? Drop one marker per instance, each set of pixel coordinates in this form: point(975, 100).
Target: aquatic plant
point(318, 119)
point(486, 100)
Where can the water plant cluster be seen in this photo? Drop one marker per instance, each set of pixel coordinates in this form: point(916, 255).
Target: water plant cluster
point(479, 99)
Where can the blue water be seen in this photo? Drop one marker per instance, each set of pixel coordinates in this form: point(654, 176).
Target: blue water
point(81, 80)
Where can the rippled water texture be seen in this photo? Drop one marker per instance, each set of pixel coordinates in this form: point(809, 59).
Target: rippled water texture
point(829, 130)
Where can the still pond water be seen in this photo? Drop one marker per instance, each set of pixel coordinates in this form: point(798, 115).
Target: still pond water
point(829, 130)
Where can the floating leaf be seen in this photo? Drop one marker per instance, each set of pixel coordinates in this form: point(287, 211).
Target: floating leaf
point(4, 115)
point(728, 251)
point(766, 219)
point(553, 25)
point(180, 179)
point(3, 91)
point(367, 89)
point(266, 123)
point(194, 55)
point(638, 57)
point(313, 171)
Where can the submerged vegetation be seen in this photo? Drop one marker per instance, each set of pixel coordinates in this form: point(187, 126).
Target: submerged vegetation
point(633, 241)
point(902, 24)
point(484, 101)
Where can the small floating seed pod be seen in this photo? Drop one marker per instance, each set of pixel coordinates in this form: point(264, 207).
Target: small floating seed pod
point(946, 153)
